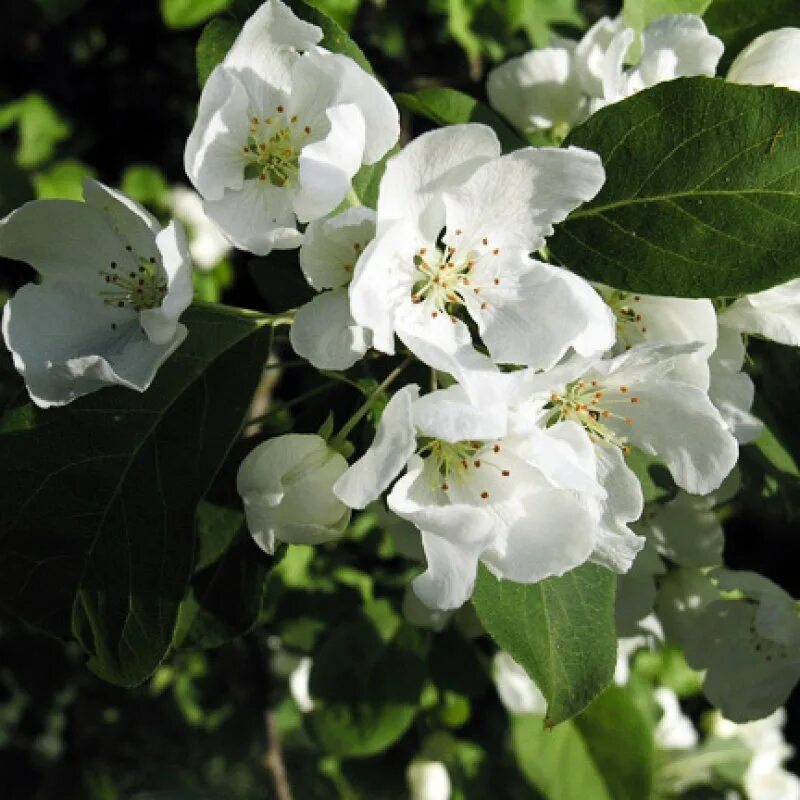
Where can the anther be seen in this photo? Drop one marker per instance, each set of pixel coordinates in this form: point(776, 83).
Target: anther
point(623, 389)
point(485, 241)
point(434, 314)
point(484, 306)
point(496, 448)
point(496, 251)
point(634, 400)
point(280, 109)
point(307, 130)
point(505, 473)
point(445, 487)
point(497, 281)
point(477, 463)
point(628, 421)
point(485, 495)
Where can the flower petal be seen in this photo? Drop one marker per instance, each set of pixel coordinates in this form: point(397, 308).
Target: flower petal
point(772, 58)
point(394, 443)
point(448, 414)
point(325, 333)
point(773, 314)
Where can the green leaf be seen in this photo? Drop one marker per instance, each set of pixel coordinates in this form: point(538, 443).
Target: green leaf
point(738, 22)
point(366, 687)
point(638, 14)
point(98, 508)
point(40, 128)
point(146, 184)
point(560, 630)
point(536, 18)
point(64, 179)
point(605, 753)
point(702, 192)
point(188, 13)
point(214, 42)
point(450, 107)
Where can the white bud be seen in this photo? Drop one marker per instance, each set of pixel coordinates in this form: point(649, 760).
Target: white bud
point(428, 780)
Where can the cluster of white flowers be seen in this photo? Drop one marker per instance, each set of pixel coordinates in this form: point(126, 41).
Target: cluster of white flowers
point(518, 461)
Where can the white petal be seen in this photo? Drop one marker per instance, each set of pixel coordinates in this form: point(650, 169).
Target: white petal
point(678, 423)
point(448, 414)
point(773, 314)
point(327, 166)
point(515, 200)
point(63, 239)
point(268, 43)
point(394, 443)
point(63, 343)
point(600, 55)
point(259, 218)
point(538, 90)
point(459, 535)
point(518, 693)
point(536, 312)
point(213, 155)
point(332, 246)
point(555, 534)
point(375, 103)
point(674, 47)
point(446, 345)
point(325, 333)
point(130, 219)
point(430, 164)
point(160, 323)
point(772, 58)
point(383, 279)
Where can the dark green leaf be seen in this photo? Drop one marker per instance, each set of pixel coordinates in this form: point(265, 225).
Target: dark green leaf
point(214, 42)
point(738, 22)
point(560, 630)
point(449, 107)
point(702, 194)
point(98, 509)
point(366, 688)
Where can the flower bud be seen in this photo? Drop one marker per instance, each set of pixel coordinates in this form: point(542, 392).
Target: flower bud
point(286, 487)
point(428, 780)
point(770, 59)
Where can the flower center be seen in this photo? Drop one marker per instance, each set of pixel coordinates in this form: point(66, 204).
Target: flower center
point(444, 275)
point(140, 288)
point(272, 152)
point(588, 404)
point(631, 326)
point(460, 461)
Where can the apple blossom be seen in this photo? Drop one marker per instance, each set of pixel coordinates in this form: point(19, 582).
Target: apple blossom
point(633, 399)
point(476, 495)
point(559, 86)
point(455, 225)
point(428, 780)
point(283, 126)
point(324, 331)
point(674, 730)
point(106, 312)
point(285, 485)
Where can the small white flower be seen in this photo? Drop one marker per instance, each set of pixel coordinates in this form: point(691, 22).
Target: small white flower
point(456, 224)
point(283, 126)
point(675, 730)
point(206, 244)
point(114, 286)
point(474, 495)
point(286, 486)
point(558, 87)
point(770, 59)
point(428, 780)
point(298, 685)
point(518, 693)
point(324, 331)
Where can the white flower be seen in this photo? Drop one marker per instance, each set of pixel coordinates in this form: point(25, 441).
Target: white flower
point(428, 780)
point(324, 331)
point(456, 224)
point(770, 59)
point(206, 244)
point(474, 495)
point(283, 126)
point(731, 389)
point(114, 286)
point(634, 400)
point(518, 693)
point(675, 730)
point(285, 485)
point(298, 685)
point(561, 85)
point(765, 778)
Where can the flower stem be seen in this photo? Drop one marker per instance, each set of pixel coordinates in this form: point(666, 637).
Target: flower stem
point(370, 402)
point(275, 320)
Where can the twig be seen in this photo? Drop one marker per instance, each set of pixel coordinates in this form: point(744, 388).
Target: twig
point(274, 757)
